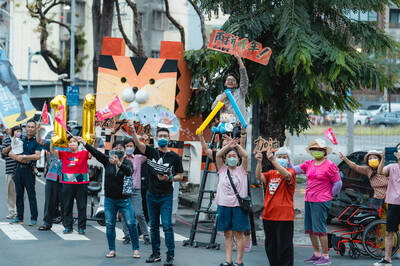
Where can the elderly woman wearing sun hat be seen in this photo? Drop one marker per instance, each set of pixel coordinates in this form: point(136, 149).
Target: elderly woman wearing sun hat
point(323, 182)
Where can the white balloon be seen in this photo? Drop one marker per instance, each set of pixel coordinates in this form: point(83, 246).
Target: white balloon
point(142, 96)
point(128, 95)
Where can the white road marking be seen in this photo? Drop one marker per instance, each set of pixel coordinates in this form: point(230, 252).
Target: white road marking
point(58, 229)
point(16, 232)
point(118, 232)
point(40, 180)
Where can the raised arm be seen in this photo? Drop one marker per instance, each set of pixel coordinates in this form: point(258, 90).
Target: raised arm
point(39, 135)
point(259, 174)
point(358, 168)
point(243, 154)
point(243, 138)
point(382, 170)
point(244, 79)
point(54, 151)
point(282, 170)
point(205, 147)
point(220, 154)
point(101, 157)
point(138, 144)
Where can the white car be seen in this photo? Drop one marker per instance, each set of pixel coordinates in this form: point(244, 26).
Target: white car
point(360, 117)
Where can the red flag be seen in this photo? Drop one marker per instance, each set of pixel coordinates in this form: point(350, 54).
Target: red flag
point(60, 117)
point(329, 135)
point(112, 109)
point(45, 114)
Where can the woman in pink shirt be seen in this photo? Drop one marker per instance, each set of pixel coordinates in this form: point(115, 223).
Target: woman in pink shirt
point(232, 220)
point(323, 182)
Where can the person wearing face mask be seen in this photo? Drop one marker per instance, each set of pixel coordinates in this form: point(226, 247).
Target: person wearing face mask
point(323, 182)
point(11, 164)
point(232, 220)
point(278, 214)
point(136, 198)
point(116, 167)
point(378, 182)
point(392, 172)
point(165, 167)
point(75, 180)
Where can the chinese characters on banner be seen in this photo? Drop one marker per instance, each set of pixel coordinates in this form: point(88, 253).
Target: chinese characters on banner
point(228, 43)
point(263, 145)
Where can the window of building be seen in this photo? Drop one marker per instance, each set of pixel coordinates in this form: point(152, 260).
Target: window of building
point(363, 16)
point(158, 20)
point(141, 21)
point(155, 54)
point(394, 18)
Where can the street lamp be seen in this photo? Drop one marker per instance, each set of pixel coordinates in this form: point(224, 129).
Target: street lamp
point(30, 55)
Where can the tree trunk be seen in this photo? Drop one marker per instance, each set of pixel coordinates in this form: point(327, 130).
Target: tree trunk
point(271, 127)
point(102, 26)
point(202, 25)
point(175, 23)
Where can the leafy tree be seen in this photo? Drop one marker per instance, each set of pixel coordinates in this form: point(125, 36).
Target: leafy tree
point(313, 65)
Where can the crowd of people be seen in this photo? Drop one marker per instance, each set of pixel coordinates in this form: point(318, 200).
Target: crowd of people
point(132, 164)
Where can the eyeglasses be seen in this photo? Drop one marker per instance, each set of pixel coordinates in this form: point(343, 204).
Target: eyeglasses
point(161, 136)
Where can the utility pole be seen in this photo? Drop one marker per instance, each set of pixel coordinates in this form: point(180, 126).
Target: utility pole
point(73, 109)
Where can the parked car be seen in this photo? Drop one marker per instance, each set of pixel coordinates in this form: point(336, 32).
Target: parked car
point(385, 119)
point(360, 117)
point(384, 107)
point(356, 188)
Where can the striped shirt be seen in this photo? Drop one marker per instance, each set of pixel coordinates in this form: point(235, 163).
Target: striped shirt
point(10, 163)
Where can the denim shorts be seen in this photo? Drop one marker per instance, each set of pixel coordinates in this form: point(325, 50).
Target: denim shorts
point(315, 216)
point(232, 218)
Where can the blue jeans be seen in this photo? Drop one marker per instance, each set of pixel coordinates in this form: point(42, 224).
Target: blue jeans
point(136, 199)
point(111, 207)
point(161, 204)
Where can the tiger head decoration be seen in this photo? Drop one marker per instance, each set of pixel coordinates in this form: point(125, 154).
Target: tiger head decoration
point(139, 82)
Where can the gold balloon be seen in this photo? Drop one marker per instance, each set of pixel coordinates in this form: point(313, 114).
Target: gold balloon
point(61, 139)
point(89, 111)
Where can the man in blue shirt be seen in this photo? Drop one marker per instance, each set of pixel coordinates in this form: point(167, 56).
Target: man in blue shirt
point(24, 177)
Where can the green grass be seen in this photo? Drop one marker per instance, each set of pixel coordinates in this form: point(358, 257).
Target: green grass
point(358, 131)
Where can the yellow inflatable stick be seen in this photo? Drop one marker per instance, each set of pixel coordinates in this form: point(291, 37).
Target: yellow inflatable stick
point(209, 117)
point(61, 139)
point(89, 111)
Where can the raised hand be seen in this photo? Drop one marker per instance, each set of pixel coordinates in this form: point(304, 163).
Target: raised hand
point(270, 156)
point(259, 157)
point(341, 156)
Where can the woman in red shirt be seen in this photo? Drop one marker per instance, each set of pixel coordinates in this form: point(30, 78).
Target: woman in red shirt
point(75, 179)
point(278, 212)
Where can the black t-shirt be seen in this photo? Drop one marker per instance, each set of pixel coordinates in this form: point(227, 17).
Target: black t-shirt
point(170, 161)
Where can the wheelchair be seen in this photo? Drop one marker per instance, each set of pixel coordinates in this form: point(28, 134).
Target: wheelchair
point(364, 233)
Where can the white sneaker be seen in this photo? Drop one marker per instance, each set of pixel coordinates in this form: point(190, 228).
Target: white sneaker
point(382, 262)
point(11, 216)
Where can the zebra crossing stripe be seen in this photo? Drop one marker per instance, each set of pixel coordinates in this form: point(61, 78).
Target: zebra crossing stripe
point(58, 229)
point(16, 232)
point(118, 232)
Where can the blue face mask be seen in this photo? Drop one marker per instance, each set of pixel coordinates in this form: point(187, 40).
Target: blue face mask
point(232, 161)
point(162, 143)
point(282, 162)
point(129, 151)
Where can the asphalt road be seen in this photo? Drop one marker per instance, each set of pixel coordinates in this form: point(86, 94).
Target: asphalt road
point(48, 248)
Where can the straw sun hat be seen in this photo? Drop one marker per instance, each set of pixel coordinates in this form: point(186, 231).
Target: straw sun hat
point(372, 152)
point(318, 144)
